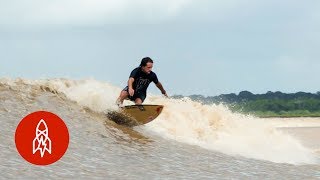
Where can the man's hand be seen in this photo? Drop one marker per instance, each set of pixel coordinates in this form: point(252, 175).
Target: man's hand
point(159, 85)
point(131, 92)
point(165, 93)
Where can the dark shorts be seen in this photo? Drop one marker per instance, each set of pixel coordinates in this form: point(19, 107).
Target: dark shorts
point(141, 95)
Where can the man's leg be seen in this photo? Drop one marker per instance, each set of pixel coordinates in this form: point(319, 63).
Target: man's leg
point(123, 95)
point(140, 98)
point(138, 101)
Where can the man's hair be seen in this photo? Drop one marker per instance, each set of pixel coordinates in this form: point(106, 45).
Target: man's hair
point(145, 60)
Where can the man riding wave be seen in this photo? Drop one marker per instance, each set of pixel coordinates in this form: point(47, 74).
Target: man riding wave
point(138, 83)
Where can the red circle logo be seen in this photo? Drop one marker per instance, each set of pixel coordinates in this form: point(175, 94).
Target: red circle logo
point(42, 138)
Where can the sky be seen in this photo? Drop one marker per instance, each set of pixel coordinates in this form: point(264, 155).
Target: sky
point(207, 47)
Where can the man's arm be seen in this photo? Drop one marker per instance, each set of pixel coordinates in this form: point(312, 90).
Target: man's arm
point(159, 85)
point(131, 90)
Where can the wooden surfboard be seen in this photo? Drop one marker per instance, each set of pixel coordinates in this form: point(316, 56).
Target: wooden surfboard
point(135, 115)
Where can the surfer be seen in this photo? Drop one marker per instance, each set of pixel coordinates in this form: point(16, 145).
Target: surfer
point(138, 82)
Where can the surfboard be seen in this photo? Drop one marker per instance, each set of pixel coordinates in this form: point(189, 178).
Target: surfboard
point(135, 115)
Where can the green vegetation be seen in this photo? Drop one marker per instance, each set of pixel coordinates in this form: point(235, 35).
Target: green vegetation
point(271, 104)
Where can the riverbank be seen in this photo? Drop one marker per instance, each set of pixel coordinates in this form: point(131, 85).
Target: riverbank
point(282, 114)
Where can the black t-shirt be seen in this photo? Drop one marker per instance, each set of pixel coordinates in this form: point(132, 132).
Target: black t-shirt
point(142, 79)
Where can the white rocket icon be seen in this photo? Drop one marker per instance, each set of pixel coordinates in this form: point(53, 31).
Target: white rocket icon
point(42, 141)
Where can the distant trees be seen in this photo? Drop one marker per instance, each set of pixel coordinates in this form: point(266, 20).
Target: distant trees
point(269, 104)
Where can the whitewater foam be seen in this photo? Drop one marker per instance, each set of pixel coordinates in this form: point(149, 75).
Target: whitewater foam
point(217, 128)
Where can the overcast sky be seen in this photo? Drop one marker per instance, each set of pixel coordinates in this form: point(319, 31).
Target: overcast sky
point(204, 47)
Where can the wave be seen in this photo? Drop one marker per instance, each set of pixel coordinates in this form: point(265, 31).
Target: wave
point(212, 127)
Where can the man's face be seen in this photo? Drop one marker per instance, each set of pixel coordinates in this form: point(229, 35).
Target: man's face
point(148, 68)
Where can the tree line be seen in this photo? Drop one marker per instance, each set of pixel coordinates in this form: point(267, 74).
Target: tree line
point(270, 104)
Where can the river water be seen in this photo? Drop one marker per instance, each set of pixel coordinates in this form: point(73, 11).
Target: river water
point(187, 141)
